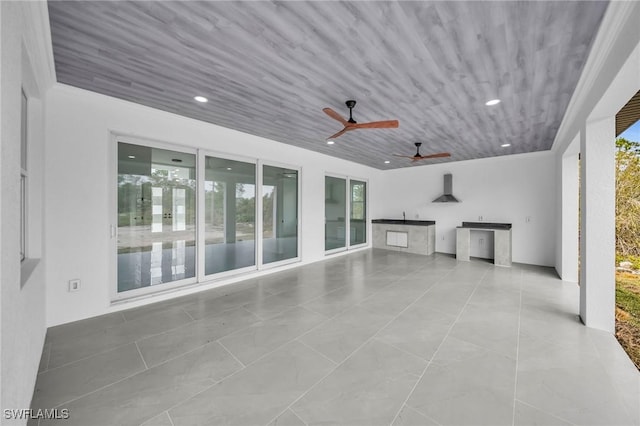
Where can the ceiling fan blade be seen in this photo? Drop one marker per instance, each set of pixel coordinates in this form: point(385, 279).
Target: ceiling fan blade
point(438, 155)
point(331, 113)
point(389, 124)
point(403, 156)
point(340, 133)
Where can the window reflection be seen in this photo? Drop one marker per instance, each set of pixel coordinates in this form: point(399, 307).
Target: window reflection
point(156, 216)
point(279, 214)
point(230, 214)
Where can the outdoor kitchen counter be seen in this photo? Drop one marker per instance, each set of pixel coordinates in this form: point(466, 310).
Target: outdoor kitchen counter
point(501, 241)
point(410, 236)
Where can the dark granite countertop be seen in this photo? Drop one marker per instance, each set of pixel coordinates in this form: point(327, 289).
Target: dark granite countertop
point(404, 222)
point(485, 225)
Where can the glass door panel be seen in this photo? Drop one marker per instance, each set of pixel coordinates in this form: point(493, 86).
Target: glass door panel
point(279, 214)
point(156, 216)
point(358, 217)
point(230, 215)
point(335, 212)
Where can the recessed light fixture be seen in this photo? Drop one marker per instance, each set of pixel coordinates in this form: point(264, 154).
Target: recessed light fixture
point(201, 99)
point(132, 156)
point(504, 145)
point(330, 142)
point(387, 162)
point(228, 168)
point(492, 102)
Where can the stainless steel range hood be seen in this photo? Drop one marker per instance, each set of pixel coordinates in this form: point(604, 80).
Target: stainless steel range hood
point(447, 197)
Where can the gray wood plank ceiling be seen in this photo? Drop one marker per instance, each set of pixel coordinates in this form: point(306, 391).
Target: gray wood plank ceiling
point(268, 68)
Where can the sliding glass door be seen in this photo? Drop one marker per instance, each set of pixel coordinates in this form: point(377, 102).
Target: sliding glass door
point(186, 216)
point(335, 213)
point(345, 222)
point(279, 214)
point(358, 209)
point(156, 216)
point(230, 215)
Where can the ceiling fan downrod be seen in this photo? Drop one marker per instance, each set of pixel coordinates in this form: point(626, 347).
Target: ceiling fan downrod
point(350, 104)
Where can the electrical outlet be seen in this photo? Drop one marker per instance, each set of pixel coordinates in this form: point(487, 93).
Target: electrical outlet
point(417, 216)
point(74, 285)
point(527, 219)
point(480, 218)
point(481, 241)
point(443, 238)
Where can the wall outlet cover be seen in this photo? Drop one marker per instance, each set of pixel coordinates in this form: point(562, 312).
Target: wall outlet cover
point(74, 285)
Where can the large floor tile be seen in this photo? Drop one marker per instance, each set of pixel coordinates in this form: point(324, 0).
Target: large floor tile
point(70, 350)
point(418, 330)
point(342, 335)
point(396, 297)
point(226, 298)
point(288, 418)
point(145, 395)
point(339, 300)
point(262, 337)
point(72, 381)
point(368, 389)
point(162, 419)
point(466, 385)
point(526, 415)
point(81, 328)
point(581, 394)
point(410, 417)
point(162, 347)
point(257, 394)
point(278, 303)
point(493, 329)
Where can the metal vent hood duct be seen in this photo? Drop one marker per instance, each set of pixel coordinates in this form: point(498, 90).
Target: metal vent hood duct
point(447, 197)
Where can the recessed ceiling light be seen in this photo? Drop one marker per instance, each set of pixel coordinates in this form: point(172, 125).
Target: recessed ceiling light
point(492, 102)
point(504, 145)
point(201, 99)
point(330, 142)
point(387, 162)
point(228, 168)
point(132, 156)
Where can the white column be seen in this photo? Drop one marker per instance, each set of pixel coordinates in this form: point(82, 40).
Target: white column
point(597, 227)
point(570, 188)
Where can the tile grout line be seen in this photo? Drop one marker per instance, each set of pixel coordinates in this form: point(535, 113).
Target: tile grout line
point(515, 381)
point(545, 411)
point(230, 353)
point(354, 351)
point(298, 416)
point(146, 367)
point(188, 314)
point(170, 419)
point(439, 346)
point(316, 351)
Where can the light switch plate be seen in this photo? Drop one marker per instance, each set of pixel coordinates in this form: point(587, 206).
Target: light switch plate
point(74, 285)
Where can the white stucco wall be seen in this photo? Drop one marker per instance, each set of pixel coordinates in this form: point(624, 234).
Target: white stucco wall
point(23, 64)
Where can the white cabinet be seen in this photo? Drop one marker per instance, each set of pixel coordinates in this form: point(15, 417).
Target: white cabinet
point(397, 239)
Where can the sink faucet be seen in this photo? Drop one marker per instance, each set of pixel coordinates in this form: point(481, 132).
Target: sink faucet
point(404, 217)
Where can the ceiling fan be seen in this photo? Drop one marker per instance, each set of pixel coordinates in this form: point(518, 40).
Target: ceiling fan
point(423, 157)
point(351, 124)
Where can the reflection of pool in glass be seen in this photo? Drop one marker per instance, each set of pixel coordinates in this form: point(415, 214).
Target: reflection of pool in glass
point(166, 262)
point(158, 263)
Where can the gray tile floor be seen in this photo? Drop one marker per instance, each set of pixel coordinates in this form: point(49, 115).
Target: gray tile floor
point(372, 338)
